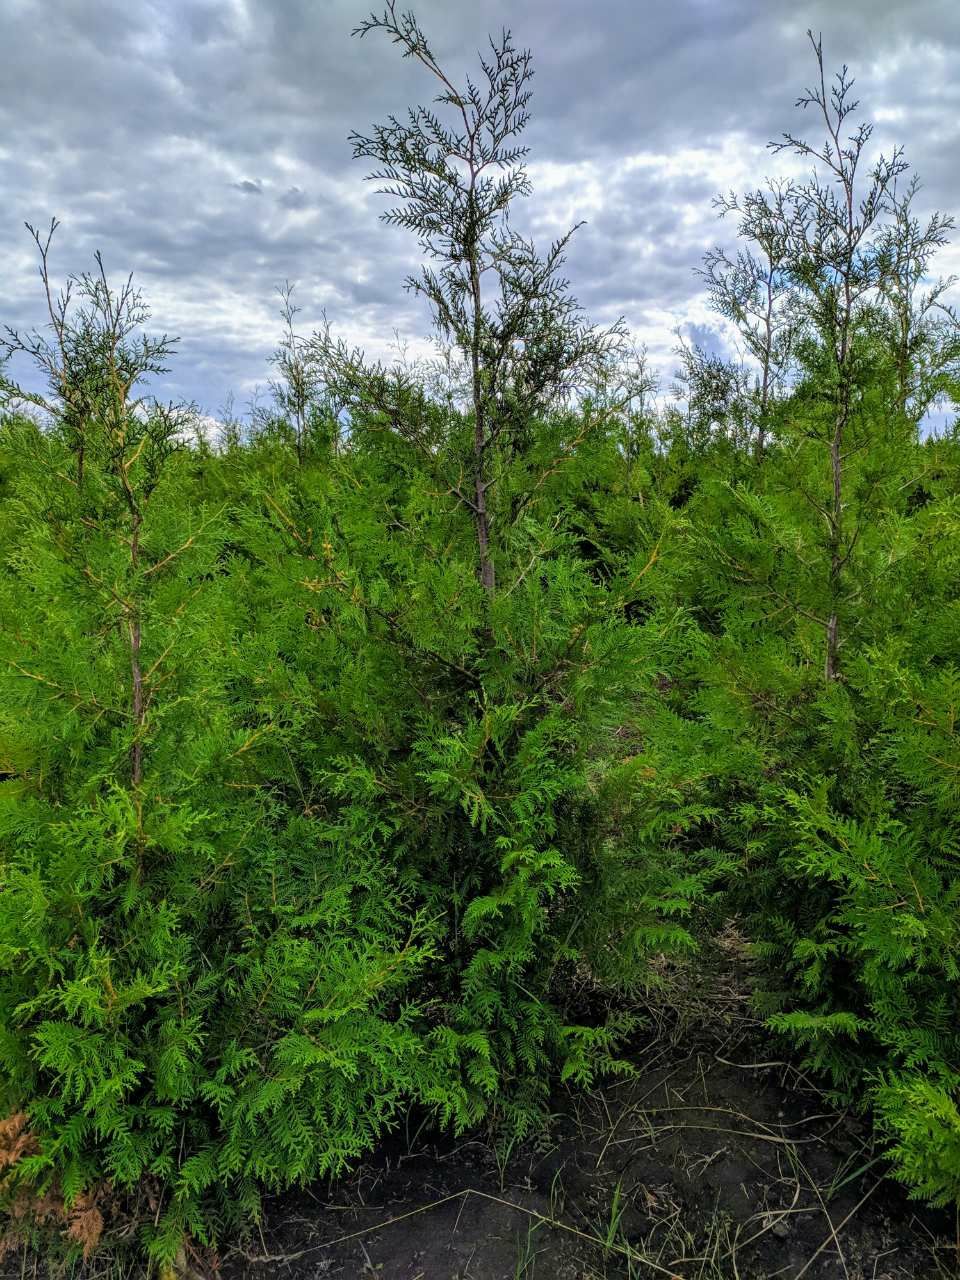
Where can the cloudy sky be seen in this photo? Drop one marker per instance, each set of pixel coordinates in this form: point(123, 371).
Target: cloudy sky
point(202, 145)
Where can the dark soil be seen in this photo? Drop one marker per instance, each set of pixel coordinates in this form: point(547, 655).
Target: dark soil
point(696, 1168)
point(711, 1162)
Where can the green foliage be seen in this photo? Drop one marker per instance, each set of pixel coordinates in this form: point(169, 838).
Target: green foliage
point(201, 986)
point(378, 835)
point(368, 759)
point(842, 798)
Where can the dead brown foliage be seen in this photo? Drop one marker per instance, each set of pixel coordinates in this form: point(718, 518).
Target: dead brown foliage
point(85, 1223)
point(16, 1140)
point(82, 1221)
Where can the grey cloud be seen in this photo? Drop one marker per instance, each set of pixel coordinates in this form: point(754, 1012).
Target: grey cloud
point(295, 198)
point(139, 123)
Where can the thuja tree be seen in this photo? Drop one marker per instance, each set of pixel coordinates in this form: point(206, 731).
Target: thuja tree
point(480, 680)
point(752, 289)
point(920, 327)
point(507, 309)
point(833, 257)
point(301, 408)
point(200, 982)
point(818, 584)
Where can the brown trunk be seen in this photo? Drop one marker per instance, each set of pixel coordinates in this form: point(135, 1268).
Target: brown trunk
point(831, 667)
point(903, 365)
point(482, 521)
point(136, 673)
point(481, 516)
point(833, 634)
point(831, 663)
point(765, 385)
point(136, 753)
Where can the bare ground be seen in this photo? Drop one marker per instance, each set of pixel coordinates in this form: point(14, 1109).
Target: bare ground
point(711, 1162)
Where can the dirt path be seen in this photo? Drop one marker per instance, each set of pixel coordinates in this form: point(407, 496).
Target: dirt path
point(711, 1162)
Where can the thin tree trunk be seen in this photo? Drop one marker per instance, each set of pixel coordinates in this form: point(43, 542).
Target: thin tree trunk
point(767, 354)
point(831, 661)
point(831, 666)
point(482, 521)
point(136, 672)
point(903, 361)
point(481, 515)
